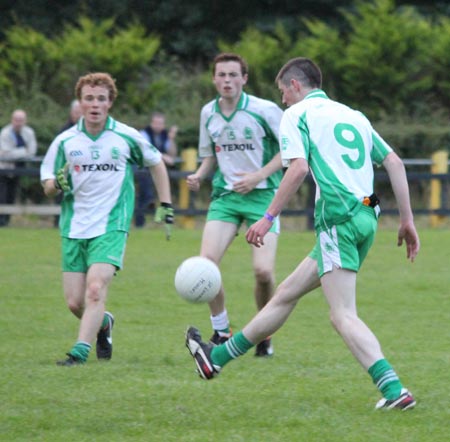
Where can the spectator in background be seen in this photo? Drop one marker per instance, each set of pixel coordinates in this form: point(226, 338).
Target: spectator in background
point(164, 140)
point(74, 115)
point(17, 142)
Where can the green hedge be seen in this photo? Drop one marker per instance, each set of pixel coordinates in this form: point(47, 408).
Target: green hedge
point(390, 62)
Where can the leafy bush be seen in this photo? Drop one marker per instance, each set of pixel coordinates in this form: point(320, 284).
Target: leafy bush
point(30, 61)
point(440, 60)
point(390, 62)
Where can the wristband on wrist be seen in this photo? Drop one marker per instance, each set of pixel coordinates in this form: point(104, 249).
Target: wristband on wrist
point(166, 205)
point(268, 216)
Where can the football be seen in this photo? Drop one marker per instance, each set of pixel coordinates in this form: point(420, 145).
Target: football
point(198, 279)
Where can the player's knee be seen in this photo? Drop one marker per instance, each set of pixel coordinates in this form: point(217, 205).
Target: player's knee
point(75, 307)
point(94, 292)
point(264, 275)
point(283, 296)
point(341, 320)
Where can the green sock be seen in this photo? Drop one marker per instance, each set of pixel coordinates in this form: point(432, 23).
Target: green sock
point(105, 321)
point(236, 346)
point(386, 380)
point(81, 350)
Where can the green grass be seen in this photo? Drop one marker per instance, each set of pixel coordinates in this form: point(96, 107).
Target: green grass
point(311, 390)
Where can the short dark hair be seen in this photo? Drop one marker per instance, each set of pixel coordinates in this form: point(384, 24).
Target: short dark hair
point(301, 69)
point(229, 56)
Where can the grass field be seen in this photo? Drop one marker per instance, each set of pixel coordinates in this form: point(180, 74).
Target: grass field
point(311, 390)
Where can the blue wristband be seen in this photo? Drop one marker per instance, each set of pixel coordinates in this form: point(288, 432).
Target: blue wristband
point(268, 216)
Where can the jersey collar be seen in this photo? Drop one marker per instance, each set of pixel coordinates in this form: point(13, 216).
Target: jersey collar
point(241, 105)
point(109, 125)
point(316, 93)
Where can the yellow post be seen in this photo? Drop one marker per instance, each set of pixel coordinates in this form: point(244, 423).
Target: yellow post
point(439, 165)
point(189, 164)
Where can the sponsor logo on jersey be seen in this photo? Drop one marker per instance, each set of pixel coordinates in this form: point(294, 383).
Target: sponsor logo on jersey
point(96, 167)
point(75, 153)
point(232, 147)
point(284, 142)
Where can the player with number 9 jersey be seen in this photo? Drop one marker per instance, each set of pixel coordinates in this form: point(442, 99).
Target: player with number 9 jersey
point(340, 146)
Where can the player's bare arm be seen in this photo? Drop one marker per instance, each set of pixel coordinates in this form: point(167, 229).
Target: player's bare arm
point(162, 183)
point(193, 181)
point(407, 231)
point(250, 180)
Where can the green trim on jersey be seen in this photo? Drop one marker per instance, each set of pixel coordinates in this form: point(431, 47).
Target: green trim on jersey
point(380, 149)
point(317, 93)
point(110, 124)
point(122, 212)
point(241, 105)
point(335, 204)
point(67, 201)
point(136, 155)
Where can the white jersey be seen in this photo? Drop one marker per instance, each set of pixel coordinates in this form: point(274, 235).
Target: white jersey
point(100, 176)
point(340, 146)
point(244, 142)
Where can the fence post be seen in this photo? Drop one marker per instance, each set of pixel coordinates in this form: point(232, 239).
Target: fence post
point(439, 165)
point(189, 163)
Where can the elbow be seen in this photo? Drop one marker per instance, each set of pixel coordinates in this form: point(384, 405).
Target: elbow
point(301, 167)
point(393, 159)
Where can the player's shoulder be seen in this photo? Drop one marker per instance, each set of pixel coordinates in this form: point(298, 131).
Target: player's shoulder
point(266, 109)
point(209, 108)
point(121, 128)
point(341, 109)
point(116, 125)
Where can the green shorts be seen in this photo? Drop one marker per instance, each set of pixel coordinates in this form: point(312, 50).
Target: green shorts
point(79, 254)
point(236, 208)
point(345, 245)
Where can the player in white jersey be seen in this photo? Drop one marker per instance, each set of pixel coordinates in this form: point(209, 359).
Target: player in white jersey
point(91, 164)
point(338, 145)
point(239, 140)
